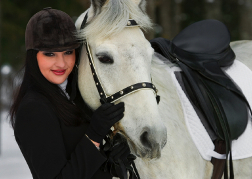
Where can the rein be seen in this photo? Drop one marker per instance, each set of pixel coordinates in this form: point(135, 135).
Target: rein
point(104, 98)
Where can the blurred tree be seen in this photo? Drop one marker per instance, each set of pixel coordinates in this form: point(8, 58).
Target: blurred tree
point(178, 16)
point(165, 18)
point(169, 17)
point(245, 25)
point(0, 33)
point(175, 15)
point(151, 6)
point(166, 14)
point(213, 9)
point(0, 81)
point(193, 11)
point(230, 17)
point(16, 14)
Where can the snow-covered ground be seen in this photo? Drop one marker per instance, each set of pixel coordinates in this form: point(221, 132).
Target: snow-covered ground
point(12, 163)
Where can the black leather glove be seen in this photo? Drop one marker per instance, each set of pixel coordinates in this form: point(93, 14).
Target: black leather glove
point(119, 152)
point(103, 119)
point(119, 160)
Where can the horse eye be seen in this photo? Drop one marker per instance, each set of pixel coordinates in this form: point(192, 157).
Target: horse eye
point(105, 59)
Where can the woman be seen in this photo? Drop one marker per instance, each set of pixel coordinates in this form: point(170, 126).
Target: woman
point(53, 130)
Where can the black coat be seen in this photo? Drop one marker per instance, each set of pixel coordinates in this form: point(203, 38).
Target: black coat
point(51, 149)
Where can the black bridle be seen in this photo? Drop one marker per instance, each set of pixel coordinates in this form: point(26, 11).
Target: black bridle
point(104, 98)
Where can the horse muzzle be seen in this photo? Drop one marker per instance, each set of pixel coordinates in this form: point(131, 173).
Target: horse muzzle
point(150, 147)
point(153, 153)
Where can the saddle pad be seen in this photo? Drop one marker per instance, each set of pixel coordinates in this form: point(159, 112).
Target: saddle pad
point(242, 147)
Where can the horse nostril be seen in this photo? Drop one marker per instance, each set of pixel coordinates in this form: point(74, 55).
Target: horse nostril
point(144, 138)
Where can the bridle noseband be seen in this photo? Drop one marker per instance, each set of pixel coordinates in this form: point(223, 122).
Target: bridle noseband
point(104, 98)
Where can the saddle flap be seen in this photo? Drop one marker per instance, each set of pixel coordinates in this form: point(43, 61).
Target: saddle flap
point(201, 50)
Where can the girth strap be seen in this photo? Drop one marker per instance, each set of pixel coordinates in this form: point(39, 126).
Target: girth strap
point(219, 164)
point(212, 107)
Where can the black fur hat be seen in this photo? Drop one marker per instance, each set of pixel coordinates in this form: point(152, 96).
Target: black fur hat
point(51, 30)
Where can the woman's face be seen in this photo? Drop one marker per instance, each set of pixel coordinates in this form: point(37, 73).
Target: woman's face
point(56, 66)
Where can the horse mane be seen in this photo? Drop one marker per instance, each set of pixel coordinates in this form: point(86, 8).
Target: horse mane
point(113, 18)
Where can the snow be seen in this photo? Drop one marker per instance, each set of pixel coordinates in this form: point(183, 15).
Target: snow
point(12, 162)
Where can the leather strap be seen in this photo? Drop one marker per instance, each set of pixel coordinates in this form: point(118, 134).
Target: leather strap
point(219, 164)
point(212, 88)
point(104, 98)
point(117, 168)
point(208, 99)
point(84, 22)
point(209, 65)
point(132, 23)
point(75, 70)
point(208, 70)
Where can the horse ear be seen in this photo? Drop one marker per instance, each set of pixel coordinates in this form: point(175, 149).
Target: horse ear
point(142, 5)
point(97, 5)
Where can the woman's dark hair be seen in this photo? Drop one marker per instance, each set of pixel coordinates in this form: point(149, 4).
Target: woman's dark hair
point(70, 113)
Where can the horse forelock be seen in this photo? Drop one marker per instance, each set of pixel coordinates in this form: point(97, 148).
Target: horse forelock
point(113, 18)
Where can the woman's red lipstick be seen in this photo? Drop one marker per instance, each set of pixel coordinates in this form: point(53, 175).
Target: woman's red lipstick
point(59, 72)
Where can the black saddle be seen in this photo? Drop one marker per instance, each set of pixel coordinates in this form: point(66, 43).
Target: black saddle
point(200, 50)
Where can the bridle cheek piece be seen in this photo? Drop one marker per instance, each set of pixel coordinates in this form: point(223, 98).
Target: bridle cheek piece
point(104, 98)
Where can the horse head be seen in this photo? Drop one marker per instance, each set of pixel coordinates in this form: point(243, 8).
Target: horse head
point(122, 57)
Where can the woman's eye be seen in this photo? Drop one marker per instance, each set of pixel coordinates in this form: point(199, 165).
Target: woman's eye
point(69, 52)
point(49, 54)
point(105, 59)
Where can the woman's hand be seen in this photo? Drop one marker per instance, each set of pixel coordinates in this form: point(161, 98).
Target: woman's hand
point(96, 143)
point(103, 119)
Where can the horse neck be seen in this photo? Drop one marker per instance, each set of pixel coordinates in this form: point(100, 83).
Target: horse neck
point(170, 104)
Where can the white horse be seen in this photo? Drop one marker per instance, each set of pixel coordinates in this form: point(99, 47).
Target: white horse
point(157, 134)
